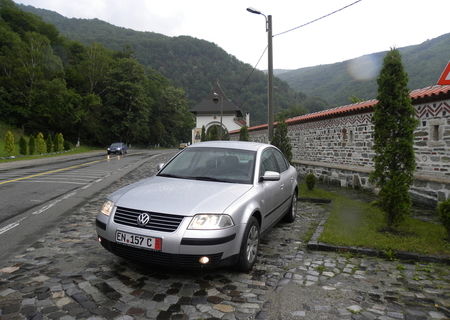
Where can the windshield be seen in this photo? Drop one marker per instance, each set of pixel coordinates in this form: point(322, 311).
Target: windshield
point(212, 164)
point(116, 145)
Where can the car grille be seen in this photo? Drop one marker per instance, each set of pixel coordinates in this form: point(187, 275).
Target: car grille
point(158, 221)
point(157, 257)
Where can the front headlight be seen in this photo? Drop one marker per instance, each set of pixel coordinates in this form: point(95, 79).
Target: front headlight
point(211, 222)
point(107, 207)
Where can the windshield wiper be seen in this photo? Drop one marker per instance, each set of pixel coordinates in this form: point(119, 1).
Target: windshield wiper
point(168, 175)
point(203, 178)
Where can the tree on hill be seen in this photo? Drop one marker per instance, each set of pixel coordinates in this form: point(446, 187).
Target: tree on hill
point(394, 123)
point(51, 84)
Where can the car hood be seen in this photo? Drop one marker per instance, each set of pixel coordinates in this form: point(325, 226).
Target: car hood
point(179, 196)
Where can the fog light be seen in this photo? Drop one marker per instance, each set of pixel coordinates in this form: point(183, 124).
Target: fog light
point(99, 239)
point(203, 260)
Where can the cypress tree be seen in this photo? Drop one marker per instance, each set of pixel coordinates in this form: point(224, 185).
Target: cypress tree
point(9, 143)
point(243, 134)
point(49, 143)
point(59, 142)
point(40, 143)
point(22, 145)
point(394, 123)
point(203, 135)
point(281, 140)
point(32, 145)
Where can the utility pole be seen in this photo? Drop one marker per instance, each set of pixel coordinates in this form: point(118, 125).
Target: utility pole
point(270, 72)
point(270, 82)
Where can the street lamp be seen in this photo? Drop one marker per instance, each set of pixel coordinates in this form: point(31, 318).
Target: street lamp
point(216, 100)
point(270, 71)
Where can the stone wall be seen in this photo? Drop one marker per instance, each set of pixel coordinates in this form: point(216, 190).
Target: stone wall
point(338, 149)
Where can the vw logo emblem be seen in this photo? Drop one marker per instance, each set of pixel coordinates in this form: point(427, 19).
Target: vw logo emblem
point(143, 219)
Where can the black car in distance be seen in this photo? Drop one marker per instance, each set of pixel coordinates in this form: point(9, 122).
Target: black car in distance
point(117, 148)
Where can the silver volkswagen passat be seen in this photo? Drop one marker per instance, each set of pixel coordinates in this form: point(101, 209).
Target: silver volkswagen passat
point(206, 207)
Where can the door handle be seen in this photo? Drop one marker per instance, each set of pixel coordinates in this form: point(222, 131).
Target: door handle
point(282, 186)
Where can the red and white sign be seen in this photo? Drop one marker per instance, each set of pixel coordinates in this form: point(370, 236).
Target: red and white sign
point(445, 76)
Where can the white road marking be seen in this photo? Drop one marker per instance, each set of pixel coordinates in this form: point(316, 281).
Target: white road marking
point(54, 202)
point(11, 225)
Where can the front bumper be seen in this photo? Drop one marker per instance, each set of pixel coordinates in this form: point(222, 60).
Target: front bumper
point(188, 261)
point(180, 249)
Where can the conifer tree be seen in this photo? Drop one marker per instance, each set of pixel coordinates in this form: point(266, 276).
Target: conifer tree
point(394, 123)
point(32, 145)
point(49, 143)
point(243, 134)
point(203, 135)
point(40, 143)
point(59, 142)
point(281, 140)
point(9, 143)
point(22, 145)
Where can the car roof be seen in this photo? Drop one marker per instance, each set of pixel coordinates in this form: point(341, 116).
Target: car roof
point(243, 145)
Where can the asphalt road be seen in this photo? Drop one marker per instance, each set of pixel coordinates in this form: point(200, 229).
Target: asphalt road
point(36, 194)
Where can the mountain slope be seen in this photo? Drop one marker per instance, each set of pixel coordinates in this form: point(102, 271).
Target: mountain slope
point(336, 84)
point(190, 63)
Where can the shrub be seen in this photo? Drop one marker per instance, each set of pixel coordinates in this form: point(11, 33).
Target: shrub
point(67, 145)
point(22, 145)
point(32, 145)
point(40, 143)
point(444, 215)
point(310, 181)
point(9, 143)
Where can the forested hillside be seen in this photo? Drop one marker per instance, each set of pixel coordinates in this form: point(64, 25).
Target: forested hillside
point(190, 63)
point(334, 82)
point(51, 84)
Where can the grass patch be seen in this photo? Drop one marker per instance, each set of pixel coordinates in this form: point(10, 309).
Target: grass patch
point(358, 223)
point(80, 149)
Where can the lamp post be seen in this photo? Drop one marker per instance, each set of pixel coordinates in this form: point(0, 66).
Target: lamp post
point(270, 71)
point(216, 100)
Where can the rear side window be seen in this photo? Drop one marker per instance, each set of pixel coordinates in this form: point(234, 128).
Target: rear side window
point(281, 160)
point(268, 162)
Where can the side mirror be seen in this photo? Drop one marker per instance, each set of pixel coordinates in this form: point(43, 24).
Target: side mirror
point(160, 166)
point(270, 176)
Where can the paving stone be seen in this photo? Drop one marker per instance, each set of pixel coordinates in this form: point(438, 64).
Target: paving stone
point(75, 278)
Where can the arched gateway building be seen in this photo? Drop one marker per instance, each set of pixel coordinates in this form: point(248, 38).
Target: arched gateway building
point(217, 110)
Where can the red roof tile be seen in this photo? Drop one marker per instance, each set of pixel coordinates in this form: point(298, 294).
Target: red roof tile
point(365, 106)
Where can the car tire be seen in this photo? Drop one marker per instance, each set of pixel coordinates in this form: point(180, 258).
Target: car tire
point(292, 212)
point(249, 246)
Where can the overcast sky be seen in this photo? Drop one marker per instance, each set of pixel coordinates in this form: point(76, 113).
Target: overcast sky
point(366, 27)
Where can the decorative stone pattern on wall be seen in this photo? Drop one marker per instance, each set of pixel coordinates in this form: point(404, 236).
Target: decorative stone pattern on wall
point(339, 150)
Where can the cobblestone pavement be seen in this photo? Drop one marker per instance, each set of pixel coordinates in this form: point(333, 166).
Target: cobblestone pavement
point(68, 275)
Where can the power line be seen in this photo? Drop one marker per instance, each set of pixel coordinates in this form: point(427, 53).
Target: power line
point(320, 18)
point(250, 74)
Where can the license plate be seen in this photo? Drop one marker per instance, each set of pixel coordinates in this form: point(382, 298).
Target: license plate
point(137, 240)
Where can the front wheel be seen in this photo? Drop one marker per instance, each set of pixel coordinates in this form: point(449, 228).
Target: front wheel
point(292, 212)
point(249, 246)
